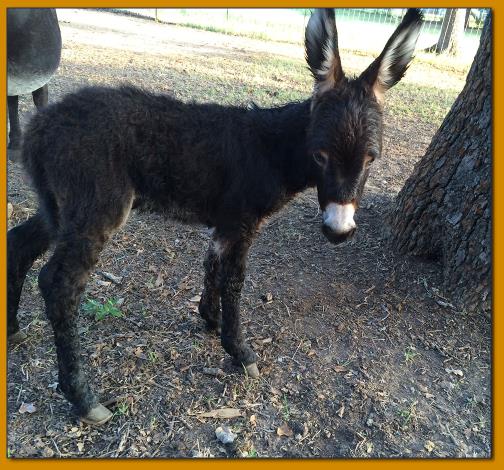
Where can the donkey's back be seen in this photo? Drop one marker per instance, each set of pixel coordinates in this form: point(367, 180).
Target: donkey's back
point(187, 160)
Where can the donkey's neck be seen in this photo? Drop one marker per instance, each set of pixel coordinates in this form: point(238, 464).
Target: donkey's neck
point(282, 132)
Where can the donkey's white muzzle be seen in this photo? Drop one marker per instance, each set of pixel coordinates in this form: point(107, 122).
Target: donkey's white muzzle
point(339, 218)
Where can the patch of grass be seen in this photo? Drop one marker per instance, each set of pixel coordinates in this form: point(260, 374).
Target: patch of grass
point(211, 402)
point(425, 103)
point(153, 356)
point(224, 30)
point(408, 415)
point(410, 354)
point(196, 345)
point(252, 453)
point(285, 408)
point(144, 312)
point(273, 81)
point(122, 409)
point(425, 95)
point(266, 24)
point(102, 310)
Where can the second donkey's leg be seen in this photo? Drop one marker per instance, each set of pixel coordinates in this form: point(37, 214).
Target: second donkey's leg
point(15, 128)
point(232, 275)
point(40, 97)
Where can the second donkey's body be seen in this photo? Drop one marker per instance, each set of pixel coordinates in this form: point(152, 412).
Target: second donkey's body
point(101, 151)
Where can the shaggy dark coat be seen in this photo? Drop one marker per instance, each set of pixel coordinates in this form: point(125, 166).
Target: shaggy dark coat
point(101, 151)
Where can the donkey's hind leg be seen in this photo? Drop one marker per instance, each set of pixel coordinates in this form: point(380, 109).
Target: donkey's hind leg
point(209, 306)
point(25, 243)
point(62, 281)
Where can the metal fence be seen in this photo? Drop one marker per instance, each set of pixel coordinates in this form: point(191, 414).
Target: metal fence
point(454, 31)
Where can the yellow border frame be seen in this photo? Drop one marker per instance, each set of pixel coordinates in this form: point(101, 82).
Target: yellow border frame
point(498, 168)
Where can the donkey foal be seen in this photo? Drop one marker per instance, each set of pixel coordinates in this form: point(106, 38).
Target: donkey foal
point(101, 151)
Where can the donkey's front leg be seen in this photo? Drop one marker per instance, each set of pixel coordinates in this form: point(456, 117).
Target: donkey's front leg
point(209, 306)
point(232, 275)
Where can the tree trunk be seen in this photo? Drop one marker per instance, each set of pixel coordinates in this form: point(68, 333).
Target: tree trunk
point(457, 34)
point(444, 209)
point(467, 18)
point(452, 32)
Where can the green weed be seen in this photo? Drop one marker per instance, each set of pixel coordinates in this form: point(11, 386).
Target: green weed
point(102, 310)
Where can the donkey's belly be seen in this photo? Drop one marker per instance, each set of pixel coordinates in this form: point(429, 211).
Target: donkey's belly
point(22, 82)
point(172, 210)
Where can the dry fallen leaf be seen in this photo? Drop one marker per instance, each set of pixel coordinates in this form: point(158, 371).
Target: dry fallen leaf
point(341, 411)
point(340, 369)
point(223, 413)
point(284, 430)
point(27, 408)
point(455, 372)
point(429, 446)
point(213, 371)
point(112, 277)
point(196, 298)
point(267, 298)
point(138, 352)
point(159, 280)
point(253, 420)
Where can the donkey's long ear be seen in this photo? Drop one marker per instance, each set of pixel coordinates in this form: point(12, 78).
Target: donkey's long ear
point(321, 47)
point(390, 66)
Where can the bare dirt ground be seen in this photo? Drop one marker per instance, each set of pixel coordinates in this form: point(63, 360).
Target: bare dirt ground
point(360, 353)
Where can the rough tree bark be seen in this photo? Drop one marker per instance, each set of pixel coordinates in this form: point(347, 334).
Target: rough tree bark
point(444, 209)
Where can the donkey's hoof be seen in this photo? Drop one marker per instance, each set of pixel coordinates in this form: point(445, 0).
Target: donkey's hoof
point(98, 415)
point(17, 337)
point(252, 370)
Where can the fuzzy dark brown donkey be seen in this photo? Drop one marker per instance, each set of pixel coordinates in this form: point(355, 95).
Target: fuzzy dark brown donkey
point(101, 151)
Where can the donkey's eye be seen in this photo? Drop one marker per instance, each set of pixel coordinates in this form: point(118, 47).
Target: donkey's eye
point(321, 158)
